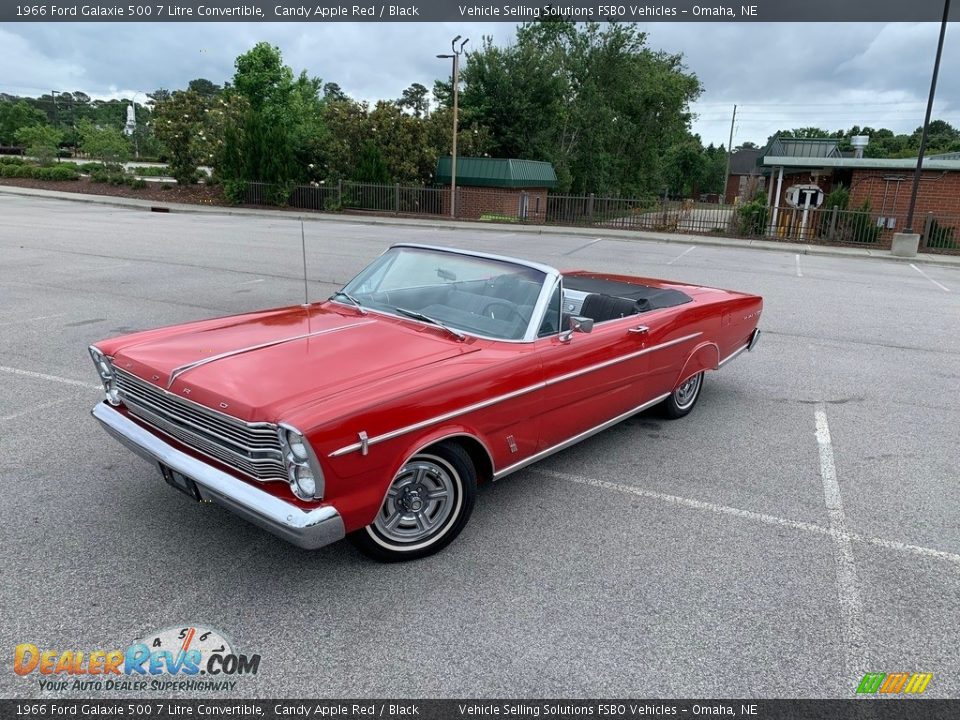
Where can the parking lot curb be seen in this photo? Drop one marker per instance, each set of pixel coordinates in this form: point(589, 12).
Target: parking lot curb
point(594, 233)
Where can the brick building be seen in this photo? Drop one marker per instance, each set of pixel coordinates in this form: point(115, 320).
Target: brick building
point(884, 184)
point(498, 188)
point(746, 177)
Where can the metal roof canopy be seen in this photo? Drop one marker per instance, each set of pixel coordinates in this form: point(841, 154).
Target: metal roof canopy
point(497, 172)
point(803, 147)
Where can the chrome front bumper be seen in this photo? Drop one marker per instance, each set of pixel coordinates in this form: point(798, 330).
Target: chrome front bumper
point(308, 529)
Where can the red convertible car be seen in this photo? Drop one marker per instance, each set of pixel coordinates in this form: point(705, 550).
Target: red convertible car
point(376, 413)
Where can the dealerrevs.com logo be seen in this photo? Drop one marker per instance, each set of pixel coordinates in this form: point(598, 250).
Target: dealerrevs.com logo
point(186, 658)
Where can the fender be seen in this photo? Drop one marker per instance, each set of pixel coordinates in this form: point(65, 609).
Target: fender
point(705, 356)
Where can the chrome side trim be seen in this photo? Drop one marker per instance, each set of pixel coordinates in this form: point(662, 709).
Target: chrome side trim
point(347, 449)
point(308, 529)
point(178, 371)
point(752, 343)
point(367, 442)
point(623, 358)
point(577, 438)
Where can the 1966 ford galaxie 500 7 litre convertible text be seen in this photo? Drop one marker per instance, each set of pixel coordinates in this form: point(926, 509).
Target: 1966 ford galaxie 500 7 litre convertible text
point(377, 412)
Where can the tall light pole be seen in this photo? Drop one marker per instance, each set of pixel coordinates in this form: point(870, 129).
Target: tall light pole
point(456, 94)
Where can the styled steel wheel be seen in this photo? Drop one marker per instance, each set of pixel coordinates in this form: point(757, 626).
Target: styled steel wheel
point(425, 508)
point(682, 400)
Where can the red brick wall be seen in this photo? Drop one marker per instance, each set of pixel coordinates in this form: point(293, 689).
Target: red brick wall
point(475, 202)
point(750, 186)
point(939, 193)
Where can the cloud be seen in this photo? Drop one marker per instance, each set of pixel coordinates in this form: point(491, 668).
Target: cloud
point(781, 75)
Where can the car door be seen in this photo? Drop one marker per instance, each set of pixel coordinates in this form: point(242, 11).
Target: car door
point(591, 378)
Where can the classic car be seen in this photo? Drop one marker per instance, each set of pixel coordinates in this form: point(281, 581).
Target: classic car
point(374, 414)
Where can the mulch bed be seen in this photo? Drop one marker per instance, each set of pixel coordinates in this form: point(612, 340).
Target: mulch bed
point(193, 194)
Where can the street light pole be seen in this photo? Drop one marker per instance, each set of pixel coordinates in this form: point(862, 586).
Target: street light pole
point(456, 96)
point(926, 120)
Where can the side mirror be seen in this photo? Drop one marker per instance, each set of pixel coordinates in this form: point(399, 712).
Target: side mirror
point(581, 324)
point(577, 325)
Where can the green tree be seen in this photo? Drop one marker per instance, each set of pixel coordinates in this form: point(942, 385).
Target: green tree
point(105, 144)
point(17, 115)
point(180, 123)
point(204, 87)
point(416, 99)
point(41, 141)
point(593, 99)
point(281, 132)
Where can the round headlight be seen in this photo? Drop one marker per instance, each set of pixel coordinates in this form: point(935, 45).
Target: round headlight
point(302, 483)
point(297, 445)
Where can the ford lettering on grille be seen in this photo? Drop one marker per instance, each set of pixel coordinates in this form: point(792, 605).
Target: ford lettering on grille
point(251, 448)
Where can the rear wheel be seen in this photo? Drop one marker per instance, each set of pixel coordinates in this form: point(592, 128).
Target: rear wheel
point(682, 400)
point(427, 505)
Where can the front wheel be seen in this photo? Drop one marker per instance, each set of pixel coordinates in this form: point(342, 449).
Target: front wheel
point(682, 400)
point(427, 505)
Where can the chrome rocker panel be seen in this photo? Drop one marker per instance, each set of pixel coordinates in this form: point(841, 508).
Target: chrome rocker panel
point(309, 529)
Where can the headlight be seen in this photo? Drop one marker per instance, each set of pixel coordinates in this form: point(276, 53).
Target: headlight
point(297, 445)
point(303, 471)
point(105, 371)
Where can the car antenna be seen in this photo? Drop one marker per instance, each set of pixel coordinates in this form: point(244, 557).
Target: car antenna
point(303, 247)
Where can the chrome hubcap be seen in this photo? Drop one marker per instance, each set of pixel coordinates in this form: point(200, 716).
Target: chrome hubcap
point(419, 502)
point(687, 393)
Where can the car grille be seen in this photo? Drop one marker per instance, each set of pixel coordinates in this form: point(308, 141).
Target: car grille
point(253, 449)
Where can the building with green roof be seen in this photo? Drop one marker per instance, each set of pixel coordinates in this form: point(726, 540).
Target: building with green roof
point(498, 188)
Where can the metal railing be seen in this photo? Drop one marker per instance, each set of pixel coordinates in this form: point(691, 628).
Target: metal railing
point(827, 226)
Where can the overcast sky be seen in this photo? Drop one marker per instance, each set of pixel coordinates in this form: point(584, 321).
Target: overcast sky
point(780, 75)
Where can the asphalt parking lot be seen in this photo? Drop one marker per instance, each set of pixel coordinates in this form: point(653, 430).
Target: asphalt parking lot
point(799, 528)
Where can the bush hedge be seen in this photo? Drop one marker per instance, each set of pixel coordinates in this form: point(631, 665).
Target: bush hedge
point(53, 173)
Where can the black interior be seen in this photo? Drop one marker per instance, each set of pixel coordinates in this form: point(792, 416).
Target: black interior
point(612, 299)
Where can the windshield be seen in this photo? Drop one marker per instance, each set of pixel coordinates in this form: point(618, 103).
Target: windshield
point(474, 295)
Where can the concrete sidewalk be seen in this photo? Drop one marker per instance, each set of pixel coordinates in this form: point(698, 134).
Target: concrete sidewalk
point(591, 232)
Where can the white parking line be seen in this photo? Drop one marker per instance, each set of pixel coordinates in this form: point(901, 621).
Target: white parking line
point(249, 282)
point(939, 285)
point(848, 589)
point(51, 378)
point(688, 250)
point(32, 319)
point(799, 272)
point(764, 518)
point(32, 409)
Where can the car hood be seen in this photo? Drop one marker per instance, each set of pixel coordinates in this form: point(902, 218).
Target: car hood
point(255, 366)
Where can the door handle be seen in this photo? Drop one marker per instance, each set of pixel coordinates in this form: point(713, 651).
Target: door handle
point(639, 330)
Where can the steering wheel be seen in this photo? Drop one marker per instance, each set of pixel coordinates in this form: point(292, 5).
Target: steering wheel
point(511, 310)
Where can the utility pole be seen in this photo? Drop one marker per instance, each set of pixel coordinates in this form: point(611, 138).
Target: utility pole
point(456, 94)
point(726, 175)
point(926, 120)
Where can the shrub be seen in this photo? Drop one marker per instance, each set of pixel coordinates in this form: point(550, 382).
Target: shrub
point(90, 167)
point(751, 217)
point(939, 236)
point(9, 160)
point(24, 171)
point(56, 173)
point(136, 183)
point(146, 171)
